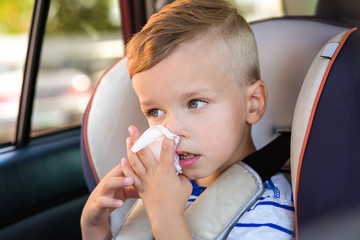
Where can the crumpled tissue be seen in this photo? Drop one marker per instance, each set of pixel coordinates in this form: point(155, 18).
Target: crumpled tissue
point(153, 138)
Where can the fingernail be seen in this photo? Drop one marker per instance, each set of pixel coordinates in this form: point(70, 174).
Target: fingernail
point(131, 130)
point(119, 203)
point(129, 140)
point(127, 180)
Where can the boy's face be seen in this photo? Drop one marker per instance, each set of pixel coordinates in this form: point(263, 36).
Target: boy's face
point(189, 93)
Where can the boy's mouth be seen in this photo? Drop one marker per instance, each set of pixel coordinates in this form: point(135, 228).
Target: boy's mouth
point(187, 159)
point(186, 156)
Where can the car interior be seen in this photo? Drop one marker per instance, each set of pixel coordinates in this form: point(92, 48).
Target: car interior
point(310, 66)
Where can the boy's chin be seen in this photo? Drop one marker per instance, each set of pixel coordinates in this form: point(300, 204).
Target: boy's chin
point(193, 174)
point(189, 174)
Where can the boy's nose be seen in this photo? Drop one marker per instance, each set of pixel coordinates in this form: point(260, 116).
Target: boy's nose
point(176, 126)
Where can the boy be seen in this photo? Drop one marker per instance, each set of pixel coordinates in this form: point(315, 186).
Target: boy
point(194, 68)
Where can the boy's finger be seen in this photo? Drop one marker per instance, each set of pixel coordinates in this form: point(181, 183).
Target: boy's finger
point(146, 156)
point(118, 182)
point(136, 164)
point(106, 202)
point(129, 172)
point(134, 133)
point(167, 154)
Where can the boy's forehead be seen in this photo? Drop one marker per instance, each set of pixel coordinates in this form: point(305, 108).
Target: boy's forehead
point(190, 58)
point(192, 68)
point(211, 49)
point(208, 49)
point(203, 55)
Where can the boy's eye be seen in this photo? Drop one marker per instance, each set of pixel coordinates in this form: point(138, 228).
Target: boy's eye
point(196, 103)
point(155, 113)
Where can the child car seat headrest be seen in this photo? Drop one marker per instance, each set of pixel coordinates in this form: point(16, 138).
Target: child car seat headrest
point(287, 47)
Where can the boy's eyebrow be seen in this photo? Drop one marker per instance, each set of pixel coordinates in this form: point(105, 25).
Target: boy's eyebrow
point(186, 95)
point(146, 103)
point(196, 93)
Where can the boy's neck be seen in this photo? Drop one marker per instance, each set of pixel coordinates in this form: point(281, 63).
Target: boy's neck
point(207, 181)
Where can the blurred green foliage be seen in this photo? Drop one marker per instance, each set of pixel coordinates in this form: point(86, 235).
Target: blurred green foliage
point(15, 15)
point(70, 16)
point(82, 16)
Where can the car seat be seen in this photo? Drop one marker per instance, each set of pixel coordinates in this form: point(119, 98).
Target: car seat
point(287, 48)
point(325, 132)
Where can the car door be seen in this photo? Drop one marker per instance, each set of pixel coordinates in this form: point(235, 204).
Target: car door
point(53, 52)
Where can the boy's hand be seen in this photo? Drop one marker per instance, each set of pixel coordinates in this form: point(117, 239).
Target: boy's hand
point(111, 193)
point(163, 192)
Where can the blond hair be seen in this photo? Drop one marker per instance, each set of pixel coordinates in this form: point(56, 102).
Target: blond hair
point(181, 22)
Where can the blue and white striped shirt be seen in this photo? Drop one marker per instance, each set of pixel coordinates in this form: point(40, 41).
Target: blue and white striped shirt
point(271, 217)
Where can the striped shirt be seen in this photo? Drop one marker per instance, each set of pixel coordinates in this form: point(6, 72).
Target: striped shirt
point(271, 217)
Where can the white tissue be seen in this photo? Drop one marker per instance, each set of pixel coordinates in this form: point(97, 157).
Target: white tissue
point(153, 138)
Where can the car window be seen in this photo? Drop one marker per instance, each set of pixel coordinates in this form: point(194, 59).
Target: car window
point(253, 10)
point(15, 18)
point(82, 39)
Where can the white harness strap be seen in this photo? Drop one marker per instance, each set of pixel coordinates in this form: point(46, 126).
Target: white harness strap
point(232, 194)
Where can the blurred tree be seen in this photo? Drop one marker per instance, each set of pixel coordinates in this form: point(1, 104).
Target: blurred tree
point(15, 15)
point(77, 16)
point(81, 16)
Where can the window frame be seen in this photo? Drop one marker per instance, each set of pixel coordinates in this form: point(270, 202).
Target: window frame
point(32, 61)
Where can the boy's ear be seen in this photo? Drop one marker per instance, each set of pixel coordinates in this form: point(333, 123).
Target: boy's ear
point(256, 97)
